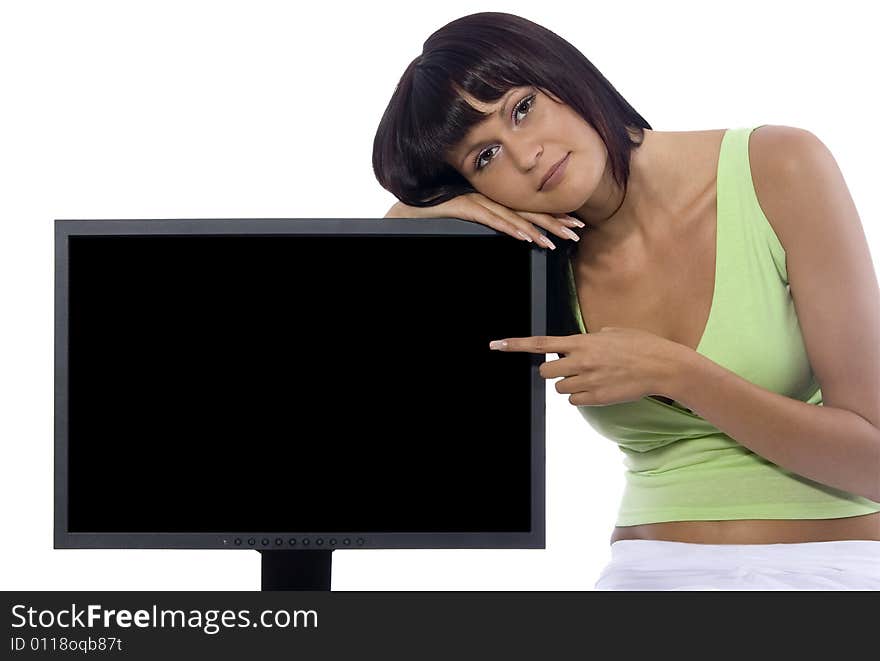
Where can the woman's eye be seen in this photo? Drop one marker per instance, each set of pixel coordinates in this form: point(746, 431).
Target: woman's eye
point(480, 164)
point(523, 107)
point(525, 103)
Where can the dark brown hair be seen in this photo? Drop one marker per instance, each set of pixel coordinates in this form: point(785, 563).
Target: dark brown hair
point(485, 55)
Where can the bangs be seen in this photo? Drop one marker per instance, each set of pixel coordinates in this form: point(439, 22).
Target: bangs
point(428, 117)
point(441, 116)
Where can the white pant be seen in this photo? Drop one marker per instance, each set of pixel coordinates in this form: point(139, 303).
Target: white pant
point(640, 564)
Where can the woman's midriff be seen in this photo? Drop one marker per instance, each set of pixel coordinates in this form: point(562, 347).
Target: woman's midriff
point(756, 531)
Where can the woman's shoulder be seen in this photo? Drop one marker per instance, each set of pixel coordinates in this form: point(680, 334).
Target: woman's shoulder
point(775, 155)
point(774, 151)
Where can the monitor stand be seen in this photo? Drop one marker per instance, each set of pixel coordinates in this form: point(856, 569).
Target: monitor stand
point(295, 570)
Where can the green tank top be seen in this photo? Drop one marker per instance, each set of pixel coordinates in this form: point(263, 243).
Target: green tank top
point(679, 467)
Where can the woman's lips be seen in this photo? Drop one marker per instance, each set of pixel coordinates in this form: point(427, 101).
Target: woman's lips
point(557, 175)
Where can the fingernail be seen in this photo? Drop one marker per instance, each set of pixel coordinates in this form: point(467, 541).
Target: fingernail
point(525, 236)
point(547, 243)
point(497, 344)
point(575, 221)
point(570, 234)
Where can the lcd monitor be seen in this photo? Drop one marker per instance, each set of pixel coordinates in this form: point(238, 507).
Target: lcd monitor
point(296, 387)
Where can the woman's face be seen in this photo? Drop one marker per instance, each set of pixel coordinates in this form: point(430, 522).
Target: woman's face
point(507, 156)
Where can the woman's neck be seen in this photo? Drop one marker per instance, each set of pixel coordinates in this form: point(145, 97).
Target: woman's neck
point(665, 176)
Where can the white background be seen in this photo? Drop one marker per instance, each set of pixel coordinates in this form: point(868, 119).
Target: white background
point(268, 109)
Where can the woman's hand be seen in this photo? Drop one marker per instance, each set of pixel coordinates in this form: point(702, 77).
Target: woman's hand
point(478, 208)
point(609, 367)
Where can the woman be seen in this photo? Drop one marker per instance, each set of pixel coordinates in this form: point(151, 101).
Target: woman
point(685, 254)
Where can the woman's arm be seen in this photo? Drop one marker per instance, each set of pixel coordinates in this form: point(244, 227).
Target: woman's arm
point(832, 281)
point(826, 444)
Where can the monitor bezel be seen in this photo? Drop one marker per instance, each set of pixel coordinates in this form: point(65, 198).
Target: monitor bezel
point(64, 539)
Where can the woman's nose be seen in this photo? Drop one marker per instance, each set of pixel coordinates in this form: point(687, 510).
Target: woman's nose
point(525, 156)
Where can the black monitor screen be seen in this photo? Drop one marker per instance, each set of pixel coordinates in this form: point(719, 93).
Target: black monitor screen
point(297, 382)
